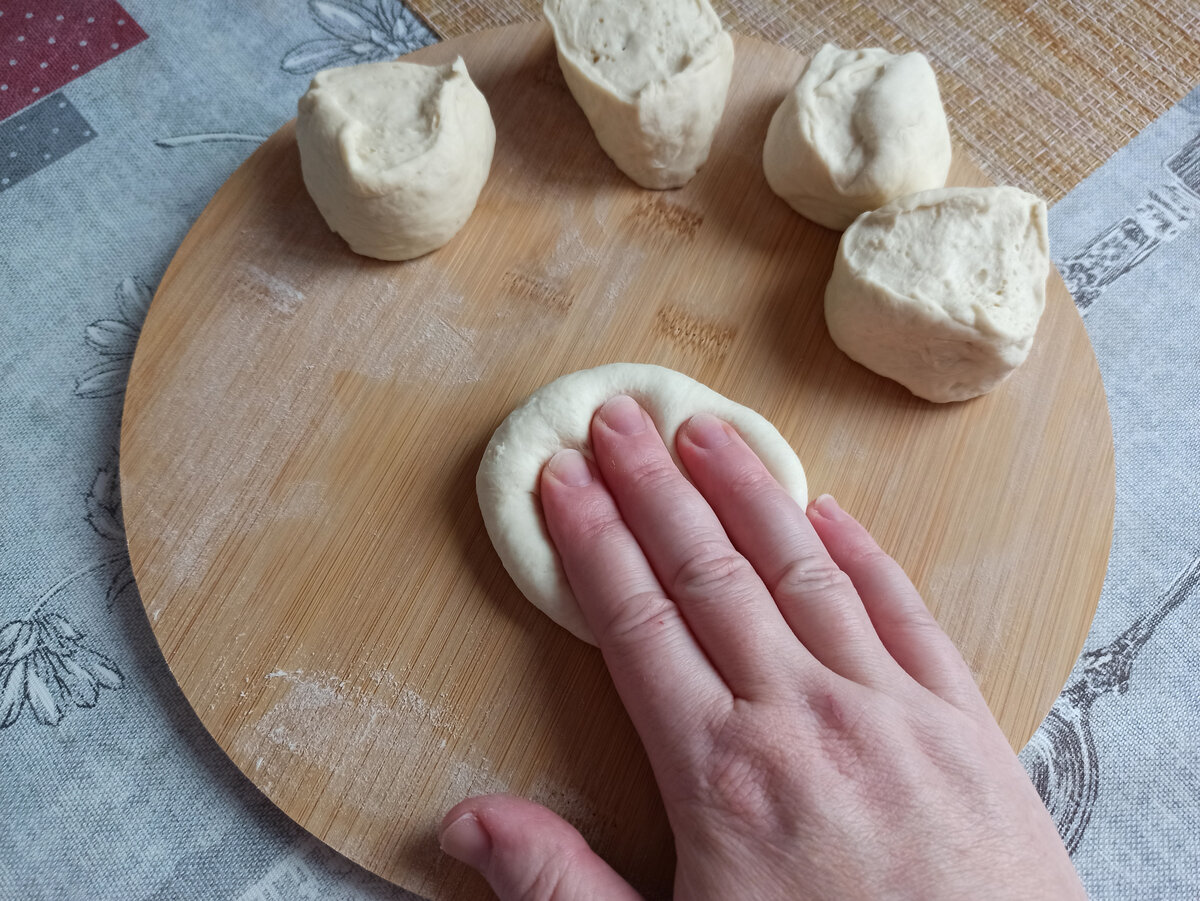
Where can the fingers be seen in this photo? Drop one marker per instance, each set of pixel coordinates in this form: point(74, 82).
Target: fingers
point(723, 601)
point(767, 525)
point(527, 853)
point(658, 668)
point(901, 619)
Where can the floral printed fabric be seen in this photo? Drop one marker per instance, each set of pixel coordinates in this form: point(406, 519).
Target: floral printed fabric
point(356, 31)
point(112, 787)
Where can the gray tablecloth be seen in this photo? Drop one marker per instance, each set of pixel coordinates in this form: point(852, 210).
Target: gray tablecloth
point(116, 126)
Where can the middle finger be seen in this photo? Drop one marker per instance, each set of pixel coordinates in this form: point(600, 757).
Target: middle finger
point(723, 601)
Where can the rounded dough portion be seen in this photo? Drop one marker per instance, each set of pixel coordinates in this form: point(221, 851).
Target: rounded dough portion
point(942, 291)
point(650, 75)
point(559, 415)
point(395, 154)
point(860, 128)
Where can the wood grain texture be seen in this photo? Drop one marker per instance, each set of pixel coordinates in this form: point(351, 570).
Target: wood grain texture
point(1039, 92)
point(303, 425)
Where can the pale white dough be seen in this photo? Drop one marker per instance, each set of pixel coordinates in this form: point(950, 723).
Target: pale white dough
point(395, 154)
point(942, 291)
point(558, 416)
point(651, 77)
point(859, 129)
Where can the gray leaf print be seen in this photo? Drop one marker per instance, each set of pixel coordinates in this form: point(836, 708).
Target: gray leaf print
point(358, 32)
point(46, 668)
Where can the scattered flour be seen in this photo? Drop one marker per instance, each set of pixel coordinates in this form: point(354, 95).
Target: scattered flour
point(320, 714)
point(467, 779)
point(283, 296)
point(432, 348)
point(631, 262)
point(570, 252)
point(841, 444)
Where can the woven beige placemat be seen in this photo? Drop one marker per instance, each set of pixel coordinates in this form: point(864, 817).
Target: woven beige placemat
point(1040, 92)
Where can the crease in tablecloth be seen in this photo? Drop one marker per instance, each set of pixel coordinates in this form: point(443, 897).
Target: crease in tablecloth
point(113, 789)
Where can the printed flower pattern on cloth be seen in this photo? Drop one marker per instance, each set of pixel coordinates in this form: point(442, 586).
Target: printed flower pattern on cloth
point(46, 668)
point(359, 31)
point(115, 340)
point(104, 516)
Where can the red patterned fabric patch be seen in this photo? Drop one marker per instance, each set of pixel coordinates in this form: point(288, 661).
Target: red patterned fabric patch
point(44, 44)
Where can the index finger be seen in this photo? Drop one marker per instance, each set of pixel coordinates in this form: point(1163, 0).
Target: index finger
point(658, 667)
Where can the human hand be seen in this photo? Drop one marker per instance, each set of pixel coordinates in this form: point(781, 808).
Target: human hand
point(812, 730)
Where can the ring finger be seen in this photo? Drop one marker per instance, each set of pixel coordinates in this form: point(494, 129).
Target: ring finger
point(816, 598)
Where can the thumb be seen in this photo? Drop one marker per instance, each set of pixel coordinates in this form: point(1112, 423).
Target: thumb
point(527, 853)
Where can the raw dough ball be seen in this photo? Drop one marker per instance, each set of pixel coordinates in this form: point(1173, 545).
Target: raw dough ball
point(651, 77)
point(859, 129)
point(942, 291)
point(395, 154)
point(559, 415)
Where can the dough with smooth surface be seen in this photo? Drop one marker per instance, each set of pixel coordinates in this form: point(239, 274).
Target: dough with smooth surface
point(650, 75)
point(395, 154)
point(559, 415)
point(942, 291)
point(859, 129)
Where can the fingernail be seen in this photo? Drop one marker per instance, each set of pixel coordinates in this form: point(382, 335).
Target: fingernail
point(706, 431)
point(623, 415)
point(828, 508)
point(570, 468)
point(465, 839)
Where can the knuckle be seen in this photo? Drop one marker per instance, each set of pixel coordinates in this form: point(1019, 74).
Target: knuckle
point(636, 619)
point(744, 774)
point(906, 614)
point(868, 555)
point(652, 474)
point(596, 520)
point(809, 576)
point(742, 786)
point(917, 621)
point(835, 711)
point(751, 482)
point(850, 728)
point(712, 568)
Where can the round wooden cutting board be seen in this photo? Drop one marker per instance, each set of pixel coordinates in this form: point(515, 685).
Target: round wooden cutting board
point(302, 428)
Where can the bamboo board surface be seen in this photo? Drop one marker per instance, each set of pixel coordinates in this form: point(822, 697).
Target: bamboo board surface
point(302, 428)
